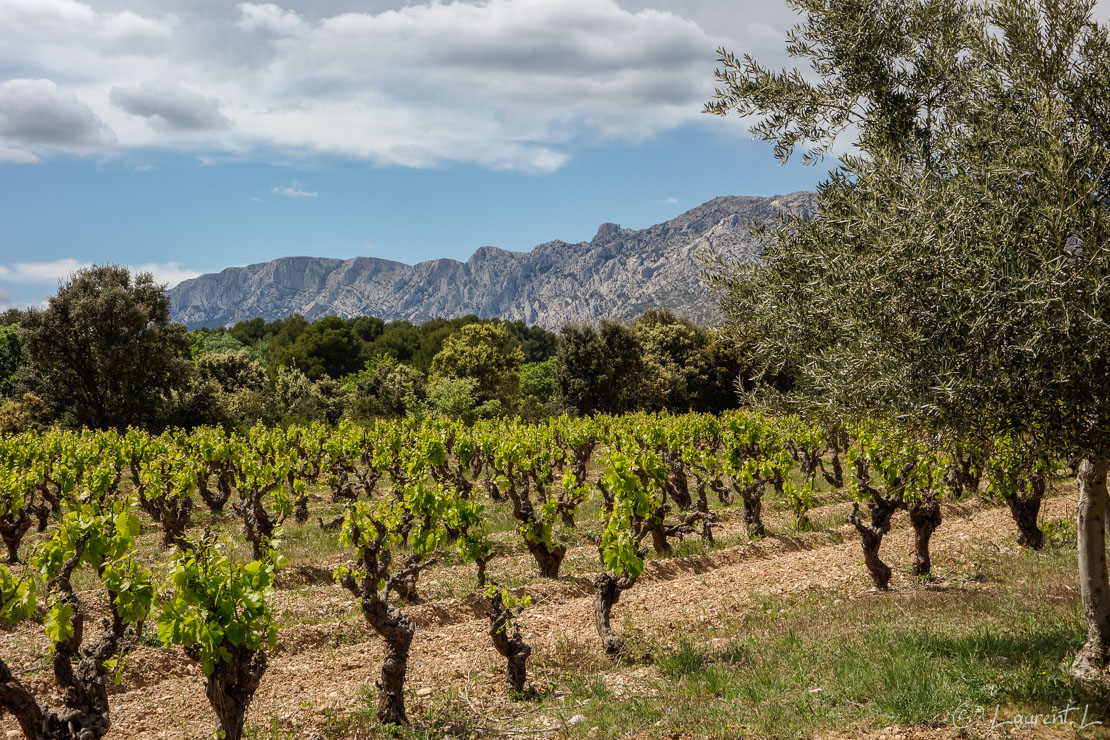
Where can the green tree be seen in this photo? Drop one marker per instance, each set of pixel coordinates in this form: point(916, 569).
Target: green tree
point(487, 354)
point(537, 379)
point(386, 388)
point(602, 369)
point(956, 276)
point(325, 347)
point(104, 350)
point(11, 358)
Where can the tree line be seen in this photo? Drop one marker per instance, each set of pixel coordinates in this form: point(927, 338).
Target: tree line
point(105, 354)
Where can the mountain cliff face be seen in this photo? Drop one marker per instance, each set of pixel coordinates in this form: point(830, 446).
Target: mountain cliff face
point(617, 274)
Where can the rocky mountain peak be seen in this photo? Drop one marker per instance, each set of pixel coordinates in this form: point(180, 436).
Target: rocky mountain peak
point(618, 274)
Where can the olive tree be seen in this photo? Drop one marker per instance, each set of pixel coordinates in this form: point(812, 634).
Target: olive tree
point(955, 276)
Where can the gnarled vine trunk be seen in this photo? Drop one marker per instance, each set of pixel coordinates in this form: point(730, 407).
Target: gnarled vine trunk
point(752, 498)
point(397, 630)
point(871, 536)
point(607, 592)
point(508, 642)
point(21, 704)
point(1092, 662)
point(1025, 508)
point(548, 561)
point(12, 529)
point(231, 688)
point(678, 483)
point(925, 517)
point(659, 538)
point(215, 500)
point(257, 523)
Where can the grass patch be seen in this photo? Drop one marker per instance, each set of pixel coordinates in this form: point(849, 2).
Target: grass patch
point(815, 661)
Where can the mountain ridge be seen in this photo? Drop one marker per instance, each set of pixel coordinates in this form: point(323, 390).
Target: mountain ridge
point(617, 274)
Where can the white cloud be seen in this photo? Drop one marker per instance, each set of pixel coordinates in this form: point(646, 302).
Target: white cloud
point(669, 201)
point(269, 18)
point(20, 156)
point(170, 108)
point(505, 84)
point(170, 273)
point(293, 191)
point(40, 272)
point(36, 113)
point(144, 167)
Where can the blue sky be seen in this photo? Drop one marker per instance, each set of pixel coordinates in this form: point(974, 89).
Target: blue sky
point(185, 136)
point(206, 217)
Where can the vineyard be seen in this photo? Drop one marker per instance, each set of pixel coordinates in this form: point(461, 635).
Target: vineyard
point(202, 558)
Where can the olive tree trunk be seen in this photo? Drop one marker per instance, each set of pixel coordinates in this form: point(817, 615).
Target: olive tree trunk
point(1093, 659)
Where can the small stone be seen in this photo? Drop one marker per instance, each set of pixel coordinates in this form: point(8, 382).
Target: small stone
point(576, 719)
point(423, 692)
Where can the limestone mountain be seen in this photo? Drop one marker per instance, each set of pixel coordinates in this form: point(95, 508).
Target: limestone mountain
point(617, 274)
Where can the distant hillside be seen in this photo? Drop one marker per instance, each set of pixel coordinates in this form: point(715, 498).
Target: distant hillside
point(617, 274)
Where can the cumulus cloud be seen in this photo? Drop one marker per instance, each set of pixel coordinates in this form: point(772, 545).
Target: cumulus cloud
point(270, 19)
point(54, 271)
point(40, 272)
point(19, 156)
point(506, 84)
point(294, 191)
point(37, 113)
point(171, 108)
point(167, 273)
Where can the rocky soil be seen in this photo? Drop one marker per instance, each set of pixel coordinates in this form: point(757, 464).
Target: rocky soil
point(328, 655)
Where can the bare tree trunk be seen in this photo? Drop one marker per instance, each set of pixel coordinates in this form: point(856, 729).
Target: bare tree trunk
point(1093, 660)
point(547, 560)
point(231, 687)
point(508, 642)
point(1025, 509)
point(752, 496)
point(607, 592)
point(925, 517)
point(12, 531)
point(872, 537)
point(18, 701)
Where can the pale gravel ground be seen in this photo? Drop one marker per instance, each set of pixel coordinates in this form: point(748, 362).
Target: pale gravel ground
point(322, 667)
